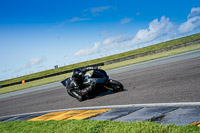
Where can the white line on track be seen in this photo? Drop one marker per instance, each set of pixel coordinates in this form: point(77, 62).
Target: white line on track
point(179, 104)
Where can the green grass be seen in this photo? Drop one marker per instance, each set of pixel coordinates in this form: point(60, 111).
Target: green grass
point(133, 52)
point(152, 57)
point(92, 126)
point(106, 67)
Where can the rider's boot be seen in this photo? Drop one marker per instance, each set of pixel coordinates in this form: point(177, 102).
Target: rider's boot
point(77, 95)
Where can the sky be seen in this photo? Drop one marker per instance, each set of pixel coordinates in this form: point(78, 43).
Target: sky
point(36, 35)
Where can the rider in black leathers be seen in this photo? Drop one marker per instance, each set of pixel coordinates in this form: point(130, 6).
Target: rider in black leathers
point(74, 85)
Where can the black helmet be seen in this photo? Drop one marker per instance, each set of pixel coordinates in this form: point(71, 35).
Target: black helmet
point(77, 74)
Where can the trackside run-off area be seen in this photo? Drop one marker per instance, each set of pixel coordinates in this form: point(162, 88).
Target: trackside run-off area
point(134, 118)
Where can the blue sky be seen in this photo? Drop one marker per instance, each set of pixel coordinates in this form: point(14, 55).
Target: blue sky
point(36, 35)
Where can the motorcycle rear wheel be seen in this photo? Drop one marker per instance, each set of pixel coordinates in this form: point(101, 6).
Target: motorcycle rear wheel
point(116, 86)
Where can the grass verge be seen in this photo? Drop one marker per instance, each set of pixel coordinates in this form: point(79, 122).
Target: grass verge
point(92, 126)
point(106, 67)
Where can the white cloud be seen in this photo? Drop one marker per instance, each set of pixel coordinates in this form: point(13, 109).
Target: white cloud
point(75, 19)
point(32, 62)
point(192, 23)
point(115, 39)
point(108, 43)
point(155, 30)
point(125, 20)
point(95, 11)
point(117, 46)
point(100, 9)
point(88, 51)
point(194, 12)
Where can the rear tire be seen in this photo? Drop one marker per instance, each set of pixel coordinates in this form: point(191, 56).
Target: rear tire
point(116, 86)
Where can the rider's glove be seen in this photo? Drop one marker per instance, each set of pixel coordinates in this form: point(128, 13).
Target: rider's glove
point(93, 83)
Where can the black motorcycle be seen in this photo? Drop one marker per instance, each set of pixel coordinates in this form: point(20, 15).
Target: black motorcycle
point(100, 81)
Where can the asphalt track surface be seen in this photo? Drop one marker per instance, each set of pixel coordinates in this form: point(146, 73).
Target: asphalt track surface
point(167, 80)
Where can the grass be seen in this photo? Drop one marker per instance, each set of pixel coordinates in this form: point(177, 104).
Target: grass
point(133, 52)
point(106, 67)
point(92, 126)
point(152, 57)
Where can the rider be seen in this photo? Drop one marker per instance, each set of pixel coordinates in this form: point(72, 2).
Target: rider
point(75, 86)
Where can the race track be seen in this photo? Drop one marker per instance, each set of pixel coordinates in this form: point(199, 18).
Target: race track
point(167, 80)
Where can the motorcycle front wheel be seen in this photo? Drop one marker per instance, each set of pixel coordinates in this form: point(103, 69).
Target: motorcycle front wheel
point(116, 86)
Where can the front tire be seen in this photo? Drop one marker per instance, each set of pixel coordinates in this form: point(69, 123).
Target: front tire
point(116, 86)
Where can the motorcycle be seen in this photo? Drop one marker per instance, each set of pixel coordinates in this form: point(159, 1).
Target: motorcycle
point(100, 81)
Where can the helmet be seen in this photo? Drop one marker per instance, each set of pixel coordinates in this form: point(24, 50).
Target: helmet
point(77, 74)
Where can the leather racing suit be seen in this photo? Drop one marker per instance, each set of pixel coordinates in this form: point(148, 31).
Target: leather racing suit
point(74, 84)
